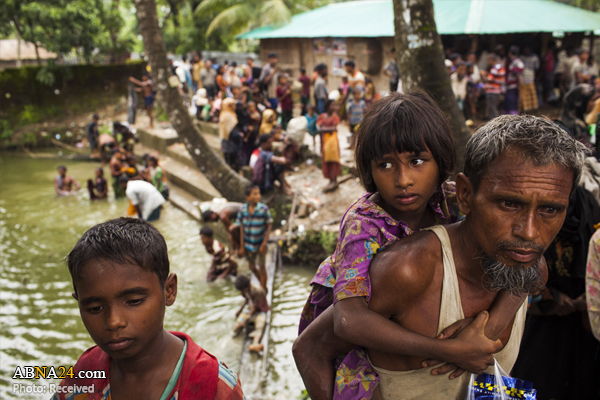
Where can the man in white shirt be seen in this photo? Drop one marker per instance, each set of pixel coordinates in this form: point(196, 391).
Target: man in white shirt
point(356, 79)
point(146, 199)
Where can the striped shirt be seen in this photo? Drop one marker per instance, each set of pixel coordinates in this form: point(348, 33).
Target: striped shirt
point(254, 225)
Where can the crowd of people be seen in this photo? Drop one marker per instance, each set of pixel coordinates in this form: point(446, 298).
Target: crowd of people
point(516, 81)
point(145, 186)
point(418, 286)
point(254, 109)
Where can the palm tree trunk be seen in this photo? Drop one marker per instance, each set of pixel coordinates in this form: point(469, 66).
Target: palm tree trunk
point(223, 178)
point(421, 62)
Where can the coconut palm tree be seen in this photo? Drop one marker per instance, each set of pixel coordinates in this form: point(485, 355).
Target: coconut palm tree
point(223, 178)
point(241, 15)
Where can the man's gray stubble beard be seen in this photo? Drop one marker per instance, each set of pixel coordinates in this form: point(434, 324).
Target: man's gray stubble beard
point(516, 280)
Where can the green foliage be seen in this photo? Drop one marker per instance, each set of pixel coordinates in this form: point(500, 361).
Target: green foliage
point(30, 115)
point(304, 395)
point(160, 114)
point(314, 246)
point(28, 138)
point(238, 16)
point(185, 32)
point(6, 130)
point(63, 25)
point(45, 76)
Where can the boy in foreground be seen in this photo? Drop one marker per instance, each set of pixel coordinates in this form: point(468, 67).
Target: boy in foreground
point(222, 264)
point(121, 280)
point(259, 306)
point(255, 222)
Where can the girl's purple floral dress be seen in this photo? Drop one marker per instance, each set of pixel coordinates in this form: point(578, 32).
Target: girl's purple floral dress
point(365, 230)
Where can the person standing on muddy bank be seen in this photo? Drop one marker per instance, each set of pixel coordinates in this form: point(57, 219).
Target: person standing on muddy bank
point(255, 222)
point(63, 183)
point(147, 87)
point(92, 135)
point(330, 146)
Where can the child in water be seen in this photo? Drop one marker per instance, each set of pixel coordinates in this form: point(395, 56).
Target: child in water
point(404, 154)
point(256, 299)
point(98, 187)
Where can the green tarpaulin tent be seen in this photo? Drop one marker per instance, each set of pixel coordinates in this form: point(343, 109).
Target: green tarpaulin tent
point(375, 18)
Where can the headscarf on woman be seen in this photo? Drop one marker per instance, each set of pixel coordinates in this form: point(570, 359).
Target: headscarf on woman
point(227, 119)
point(267, 125)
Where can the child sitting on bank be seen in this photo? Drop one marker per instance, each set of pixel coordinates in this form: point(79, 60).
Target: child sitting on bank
point(257, 314)
point(222, 264)
point(255, 222)
point(121, 280)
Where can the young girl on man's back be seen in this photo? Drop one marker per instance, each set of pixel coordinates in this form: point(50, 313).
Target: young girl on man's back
point(404, 154)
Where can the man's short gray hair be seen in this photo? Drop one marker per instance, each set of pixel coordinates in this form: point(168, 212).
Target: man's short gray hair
point(539, 140)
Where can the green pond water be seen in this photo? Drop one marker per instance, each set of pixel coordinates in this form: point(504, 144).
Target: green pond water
point(39, 320)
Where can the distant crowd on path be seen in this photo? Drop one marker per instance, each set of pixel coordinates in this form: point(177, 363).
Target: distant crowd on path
point(254, 108)
point(515, 81)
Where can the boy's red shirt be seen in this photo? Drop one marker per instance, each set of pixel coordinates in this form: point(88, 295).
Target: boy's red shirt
point(198, 379)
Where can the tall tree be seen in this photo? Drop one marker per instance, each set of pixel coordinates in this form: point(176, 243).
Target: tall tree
point(240, 15)
point(421, 62)
point(223, 178)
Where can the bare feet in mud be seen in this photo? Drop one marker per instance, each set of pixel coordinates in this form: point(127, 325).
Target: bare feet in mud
point(256, 347)
point(331, 187)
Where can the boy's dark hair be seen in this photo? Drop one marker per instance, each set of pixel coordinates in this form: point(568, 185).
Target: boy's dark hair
point(61, 167)
point(242, 282)
point(250, 188)
point(514, 50)
point(404, 123)
point(125, 241)
point(234, 63)
point(349, 63)
point(206, 215)
point(206, 231)
point(123, 179)
point(96, 116)
point(302, 70)
point(272, 55)
point(393, 50)
point(264, 138)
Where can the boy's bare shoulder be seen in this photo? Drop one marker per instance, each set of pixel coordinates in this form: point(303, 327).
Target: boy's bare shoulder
point(408, 264)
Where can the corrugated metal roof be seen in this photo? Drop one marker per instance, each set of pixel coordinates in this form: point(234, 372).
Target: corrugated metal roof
point(375, 18)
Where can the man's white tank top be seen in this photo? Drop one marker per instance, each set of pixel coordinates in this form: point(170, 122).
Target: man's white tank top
point(420, 384)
